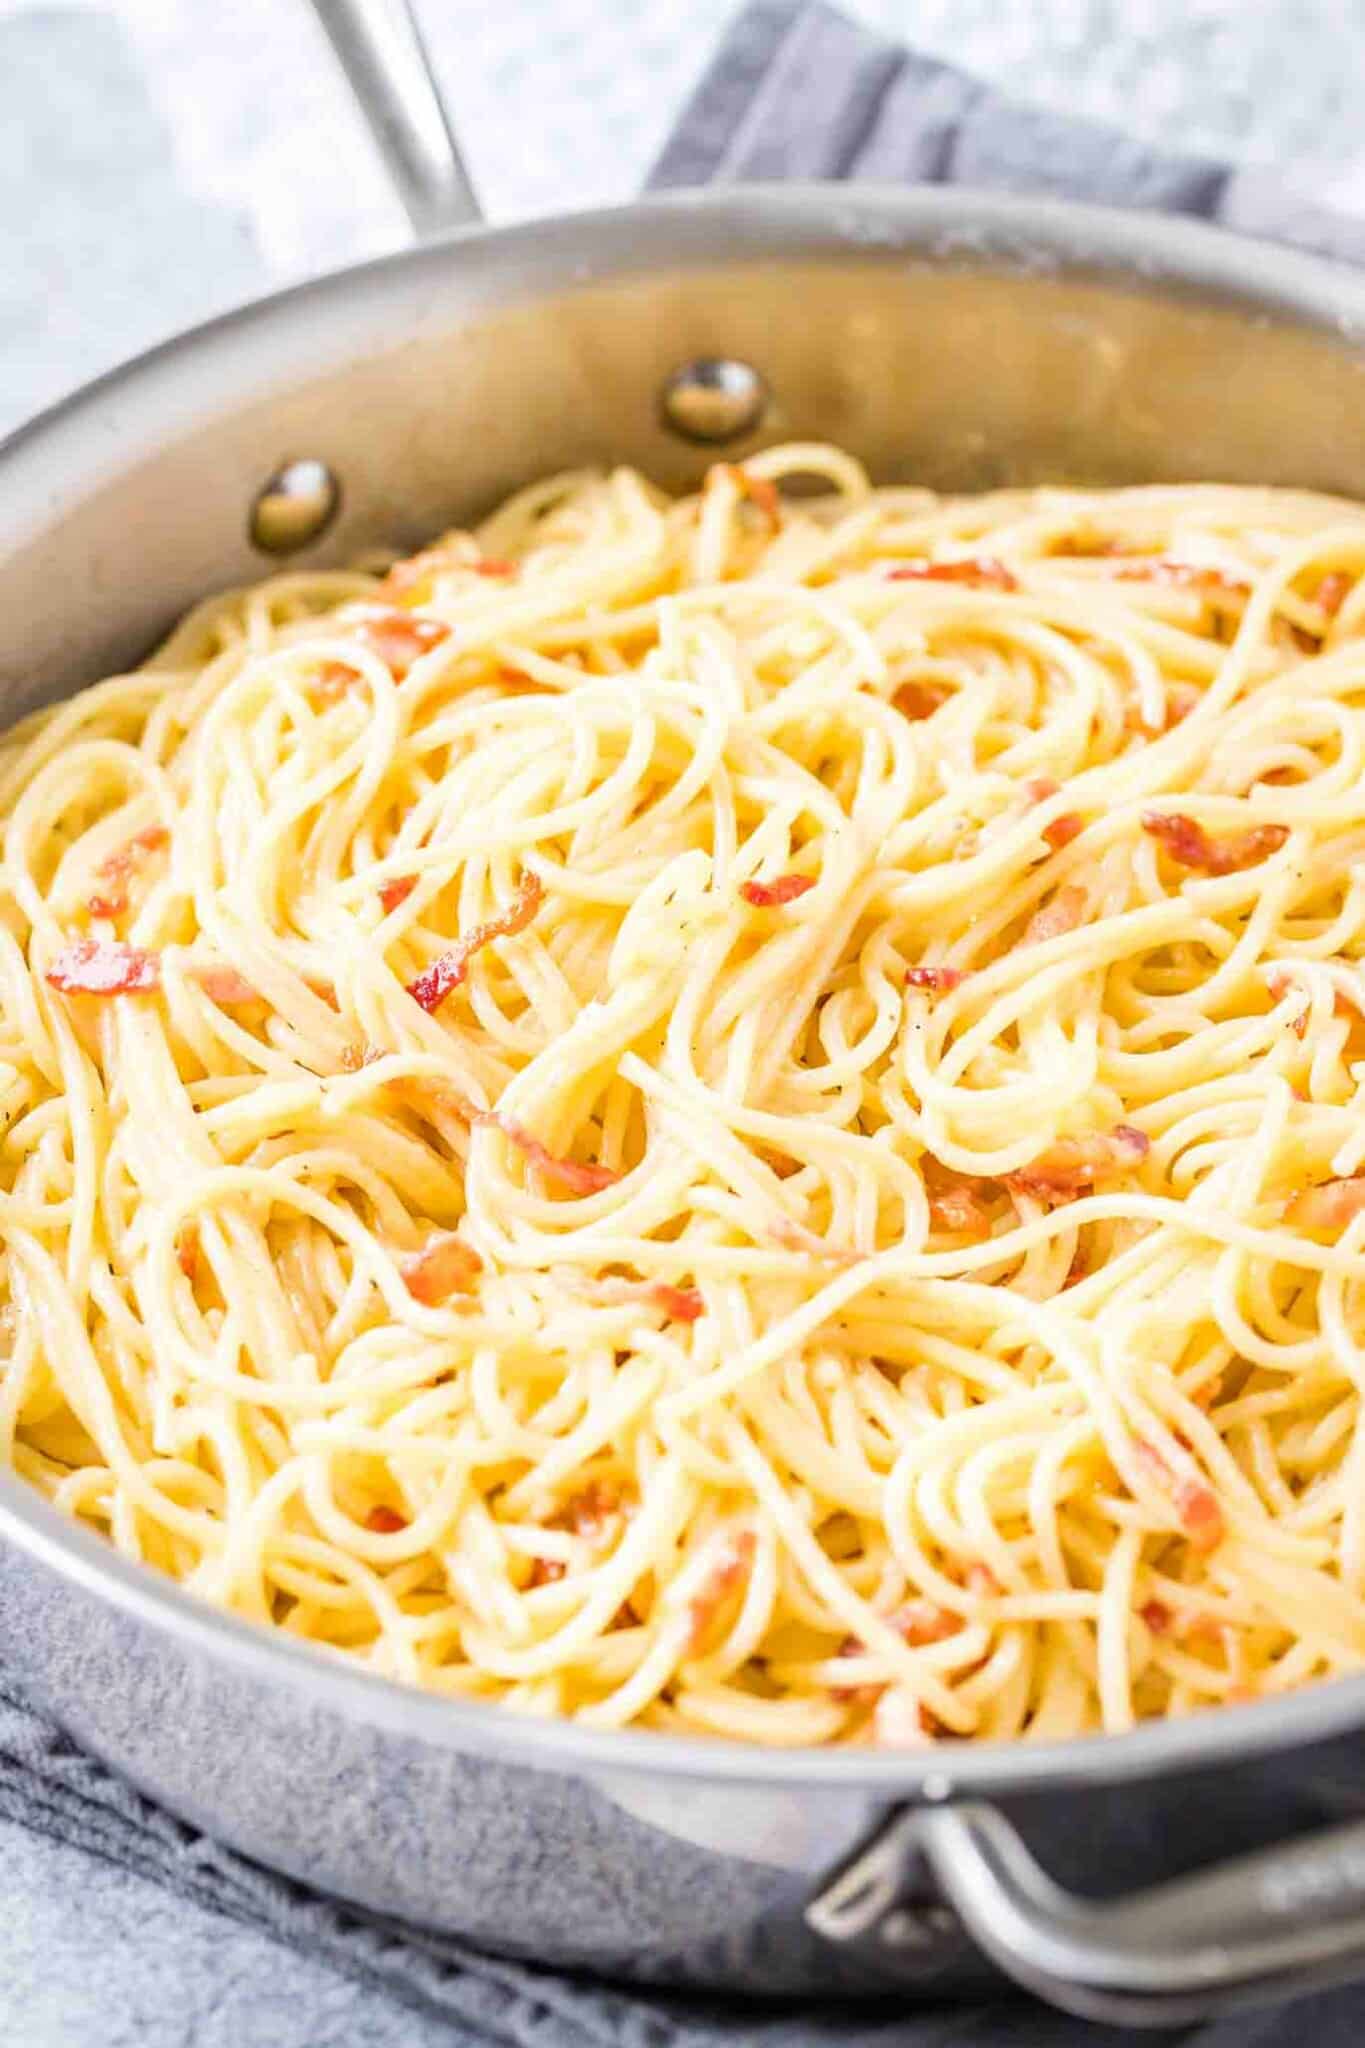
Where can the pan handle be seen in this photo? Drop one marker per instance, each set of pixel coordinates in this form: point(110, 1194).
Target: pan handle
point(381, 51)
point(1259, 1928)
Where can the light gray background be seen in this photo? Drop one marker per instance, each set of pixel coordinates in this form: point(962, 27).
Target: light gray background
point(160, 159)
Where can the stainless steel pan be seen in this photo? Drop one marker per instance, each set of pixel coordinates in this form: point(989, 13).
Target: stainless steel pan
point(946, 336)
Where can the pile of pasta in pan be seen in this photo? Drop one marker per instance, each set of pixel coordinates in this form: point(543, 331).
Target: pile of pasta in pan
point(740, 1114)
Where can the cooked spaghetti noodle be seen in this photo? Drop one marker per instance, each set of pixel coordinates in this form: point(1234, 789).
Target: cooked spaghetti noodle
point(742, 1115)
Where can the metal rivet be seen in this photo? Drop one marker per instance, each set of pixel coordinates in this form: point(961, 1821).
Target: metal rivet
point(714, 399)
point(294, 507)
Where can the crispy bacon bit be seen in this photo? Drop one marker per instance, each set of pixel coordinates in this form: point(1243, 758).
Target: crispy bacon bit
point(919, 700)
point(725, 1575)
point(436, 982)
point(119, 866)
point(1189, 844)
point(494, 565)
point(399, 638)
point(546, 1571)
point(1158, 1617)
point(957, 1202)
point(332, 682)
point(1328, 1207)
point(187, 1250)
point(1201, 576)
point(385, 1521)
point(938, 980)
point(103, 967)
point(761, 491)
point(579, 1177)
point(922, 1621)
point(767, 895)
point(1063, 913)
point(588, 1512)
point(223, 984)
point(958, 1210)
point(445, 1265)
point(1062, 830)
point(396, 890)
point(1073, 1165)
point(1331, 592)
point(983, 572)
point(683, 1304)
point(1196, 1505)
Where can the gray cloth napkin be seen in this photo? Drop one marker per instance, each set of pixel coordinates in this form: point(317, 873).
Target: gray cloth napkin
point(122, 1925)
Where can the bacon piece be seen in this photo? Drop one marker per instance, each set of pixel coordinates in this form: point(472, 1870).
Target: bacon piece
point(1063, 830)
point(1196, 1505)
point(983, 572)
point(399, 638)
point(436, 982)
point(187, 1250)
point(588, 1512)
point(938, 980)
point(957, 1202)
point(683, 1304)
point(579, 1177)
point(922, 1621)
point(1073, 1165)
point(396, 890)
point(760, 491)
point(919, 700)
point(958, 1210)
point(725, 1575)
point(1189, 844)
point(445, 1265)
point(1328, 1207)
point(1201, 576)
point(1063, 913)
point(332, 681)
point(494, 565)
point(767, 895)
point(103, 967)
point(546, 1571)
point(1158, 1617)
point(1332, 591)
point(119, 867)
point(385, 1521)
point(223, 984)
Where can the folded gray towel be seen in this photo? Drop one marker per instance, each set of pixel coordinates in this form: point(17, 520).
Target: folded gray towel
point(797, 91)
point(119, 1923)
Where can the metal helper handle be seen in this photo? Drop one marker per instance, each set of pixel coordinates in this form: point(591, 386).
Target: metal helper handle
point(382, 53)
point(1272, 1925)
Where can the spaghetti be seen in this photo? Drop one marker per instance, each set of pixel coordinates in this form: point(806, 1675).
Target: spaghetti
point(743, 1114)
